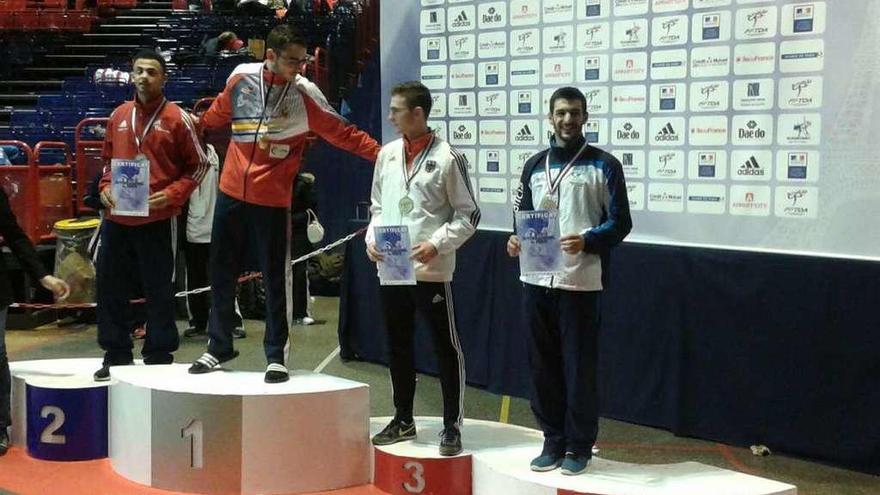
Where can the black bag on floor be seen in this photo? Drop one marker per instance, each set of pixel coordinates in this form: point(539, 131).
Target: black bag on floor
point(252, 299)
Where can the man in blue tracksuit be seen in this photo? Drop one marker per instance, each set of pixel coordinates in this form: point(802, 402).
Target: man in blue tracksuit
point(586, 186)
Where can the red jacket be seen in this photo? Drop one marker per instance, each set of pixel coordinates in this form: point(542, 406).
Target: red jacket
point(264, 175)
point(177, 161)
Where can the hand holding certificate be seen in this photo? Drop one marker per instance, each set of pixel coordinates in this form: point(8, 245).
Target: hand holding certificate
point(540, 251)
point(396, 266)
point(130, 187)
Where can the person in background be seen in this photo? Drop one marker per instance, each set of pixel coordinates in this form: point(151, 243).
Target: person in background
point(227, 41)
point(304, 200)
point(24, 251)
point(586, 186)
point(197, 248)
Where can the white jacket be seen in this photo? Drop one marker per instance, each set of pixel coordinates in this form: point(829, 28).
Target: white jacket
point(592, 202)
point(445, 213)
point(201, 202)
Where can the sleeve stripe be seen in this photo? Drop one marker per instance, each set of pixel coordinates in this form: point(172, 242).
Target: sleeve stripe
point(204, 162)
point(461, 163)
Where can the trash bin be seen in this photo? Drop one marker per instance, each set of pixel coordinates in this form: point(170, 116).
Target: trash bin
point(73, 263)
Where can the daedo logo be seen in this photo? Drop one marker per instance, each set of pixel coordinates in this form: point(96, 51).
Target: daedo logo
point(628, 133)
point(492, 16)
point(462, 133)
point(752, 131)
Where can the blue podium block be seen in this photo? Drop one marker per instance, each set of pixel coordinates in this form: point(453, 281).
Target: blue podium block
point(66, 424)
point(59, 412)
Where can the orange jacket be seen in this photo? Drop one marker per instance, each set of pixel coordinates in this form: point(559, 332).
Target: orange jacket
point(177, 161)
point(263, 175)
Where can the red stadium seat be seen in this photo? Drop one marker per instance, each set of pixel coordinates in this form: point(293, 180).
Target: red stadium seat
point(55, 191)
point(19, 182)
point(89, 145)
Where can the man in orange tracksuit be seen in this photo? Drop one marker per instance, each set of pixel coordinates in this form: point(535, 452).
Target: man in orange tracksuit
point(272, 108)
point(156, 130)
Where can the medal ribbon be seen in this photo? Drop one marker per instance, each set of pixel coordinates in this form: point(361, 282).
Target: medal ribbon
point(264, 99)
point(149, 127)
point(553, 185)
point(419, 160)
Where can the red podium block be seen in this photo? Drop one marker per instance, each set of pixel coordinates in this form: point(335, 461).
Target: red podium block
point(402, 474)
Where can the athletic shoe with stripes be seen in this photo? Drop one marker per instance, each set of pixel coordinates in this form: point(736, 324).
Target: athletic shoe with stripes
point(208, 362)
point(276, 373)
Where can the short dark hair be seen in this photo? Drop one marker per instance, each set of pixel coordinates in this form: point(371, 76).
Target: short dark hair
point(226, 37)
point(568, 93)
point(149, 55)
point(283, 35)
point(415, 94)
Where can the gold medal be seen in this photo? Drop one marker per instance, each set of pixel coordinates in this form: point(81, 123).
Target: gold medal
point(406, 205)
point(548, 204)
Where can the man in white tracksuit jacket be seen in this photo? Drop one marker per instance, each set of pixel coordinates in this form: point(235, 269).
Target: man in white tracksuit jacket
point(421, 182)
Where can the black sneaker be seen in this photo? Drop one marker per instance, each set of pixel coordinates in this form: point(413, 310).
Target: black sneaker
point(195, 332)
point(238, 333)
point(276, 373)
point(208, 362)
point(4, 441)
point(450, 441)
point(103, 374)
point(396, 431)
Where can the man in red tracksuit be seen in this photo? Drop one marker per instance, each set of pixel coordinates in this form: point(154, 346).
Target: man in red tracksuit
point(154, 129)
point(272, 108)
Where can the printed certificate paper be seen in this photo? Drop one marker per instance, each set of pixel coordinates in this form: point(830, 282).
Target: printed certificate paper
point(397, 267)
point(541, 252)
point(130, 187)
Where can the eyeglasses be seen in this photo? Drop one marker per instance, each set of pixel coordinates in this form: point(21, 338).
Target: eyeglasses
point(297, 61)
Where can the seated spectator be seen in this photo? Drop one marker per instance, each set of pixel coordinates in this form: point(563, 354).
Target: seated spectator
point(112, 76)
point(226, 41)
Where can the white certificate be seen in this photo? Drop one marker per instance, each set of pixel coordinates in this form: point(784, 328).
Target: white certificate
point(541, 251)
point(130, 187)
point(397, 267)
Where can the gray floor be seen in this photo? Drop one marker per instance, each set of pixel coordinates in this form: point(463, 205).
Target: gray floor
point(618, 441)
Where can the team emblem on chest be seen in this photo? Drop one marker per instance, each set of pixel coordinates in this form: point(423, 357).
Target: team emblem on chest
point(430, 165)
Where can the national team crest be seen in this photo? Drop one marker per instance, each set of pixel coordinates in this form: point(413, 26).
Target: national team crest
point(430, 165)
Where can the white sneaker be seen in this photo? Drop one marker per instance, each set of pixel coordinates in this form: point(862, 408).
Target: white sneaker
point(308, 320)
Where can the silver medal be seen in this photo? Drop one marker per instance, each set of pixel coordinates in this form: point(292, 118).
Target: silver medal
point(548, 203)
point(406, 205)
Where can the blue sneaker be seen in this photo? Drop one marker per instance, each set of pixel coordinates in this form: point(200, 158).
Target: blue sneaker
point(546, 462)
point(574, 464)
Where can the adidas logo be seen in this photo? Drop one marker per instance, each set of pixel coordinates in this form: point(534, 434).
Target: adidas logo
point(751, 167)
point(667, 133)
point(461, 20)
point(524, 134)
point(437, 299)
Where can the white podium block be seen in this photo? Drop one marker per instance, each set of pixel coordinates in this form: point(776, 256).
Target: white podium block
point(496, 461)
point(58, 411)
point(228, 432)
point(507, 471)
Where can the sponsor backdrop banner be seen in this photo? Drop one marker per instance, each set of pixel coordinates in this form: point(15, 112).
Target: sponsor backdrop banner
point(742, 124)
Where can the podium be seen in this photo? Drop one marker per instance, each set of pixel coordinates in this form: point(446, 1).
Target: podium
point(59, 413)
point(496, 460)
point(229, 432)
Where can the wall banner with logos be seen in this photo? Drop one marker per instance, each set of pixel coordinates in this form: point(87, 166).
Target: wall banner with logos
point(743, 124)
